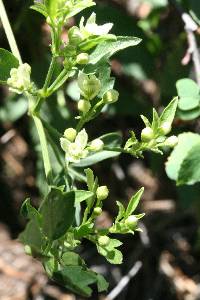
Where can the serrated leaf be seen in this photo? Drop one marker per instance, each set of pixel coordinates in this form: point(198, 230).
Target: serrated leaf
point(189, 172)
point(29, 212)
point(186, 141)
point(109, 48)
point(58, 213)
point(102, 284)
point(133, 203)
point(169, 112)
point(7, 62)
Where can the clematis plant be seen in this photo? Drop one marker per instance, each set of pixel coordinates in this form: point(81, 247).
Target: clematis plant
point(57, 227)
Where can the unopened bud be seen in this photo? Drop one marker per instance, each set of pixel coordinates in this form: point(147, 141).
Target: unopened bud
point(147, 134)
point(75, 36)
point(97, 211)
point(165, 128)
point(89, 86)
point(102, 192)
point(96, 145)
point(110, 96)
point(70, 134)
point(103, 240)
point(84, 106)
point(171, 141)
point(131, 221)
point(82, 59)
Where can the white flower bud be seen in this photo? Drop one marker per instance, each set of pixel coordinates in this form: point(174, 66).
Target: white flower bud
point(147, 134)
point(70, 134)
point(131, 221)
point(102, 192)
point(84, 106)
point(89, 86)
point(103, 240)
point(82, 59)
point(97, 211)
point(75, 36)
point(165, 128)
point(171, 141)
point(110, 96)
point(96, 145)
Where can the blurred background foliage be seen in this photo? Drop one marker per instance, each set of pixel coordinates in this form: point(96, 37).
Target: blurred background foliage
point(146, 76)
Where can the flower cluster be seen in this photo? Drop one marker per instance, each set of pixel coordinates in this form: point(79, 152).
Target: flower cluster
point(76, 146)
point(20, 80)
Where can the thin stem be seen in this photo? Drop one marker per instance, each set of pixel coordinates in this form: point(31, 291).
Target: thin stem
point(9, 32)
point(88, 116)
point(57, 83)
point(44, 146)
point(116, 149)
point(49, 74)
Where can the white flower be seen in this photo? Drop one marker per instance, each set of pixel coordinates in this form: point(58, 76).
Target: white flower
point(91, 28)
point(20, 80)
point(75, 151)
point(89, 86)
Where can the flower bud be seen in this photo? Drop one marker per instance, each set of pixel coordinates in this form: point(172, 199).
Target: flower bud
point(82, 59)
point(147, 134)
point(103, 240)
point(171, 141)
point(131, 221)
point(84, 106)
point(102, 192)
point(75, 36)
point(110, 96)
point(89, 86)
point(96, 145)
point(70, 134)
point(97, 211)
point(165, 128)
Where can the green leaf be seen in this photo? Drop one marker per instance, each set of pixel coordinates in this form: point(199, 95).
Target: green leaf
point(110, 140)
point(102, 284)
point(52, 7)
point(109, 48)
point(121, 212)
point(76, 279)
point(40, 8)
point(57, 213)
point(13, 109)
point(7, 62)
point(189, 94)
point(188, 115)
point(113, 255)
point(133, 203)
point(71, 259)
point(29, 212)
point(81, 195)
point(92, 41)
point(146, 121)
point(169, 112)
point(90, 178)
point(189, 172)
point(33, 237)
point(186, 141)
point(156, 121)
point(83, 230)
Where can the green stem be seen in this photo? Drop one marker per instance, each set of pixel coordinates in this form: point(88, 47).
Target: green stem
point(49, 74)
point(89, 116)
point(115, 149)
point(44, 146)
point(57, 83)
point(9, 32)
